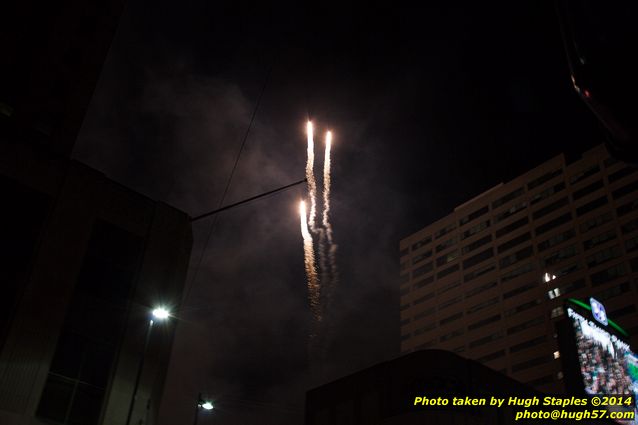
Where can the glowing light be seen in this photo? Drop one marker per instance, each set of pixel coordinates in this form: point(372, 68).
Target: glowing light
point(161, 313)
point(327, 182)
point(547, 277)
point(207, 405)
point(310, 176)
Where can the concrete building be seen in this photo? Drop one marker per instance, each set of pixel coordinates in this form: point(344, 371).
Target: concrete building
point(489, 280)
point(83, 259)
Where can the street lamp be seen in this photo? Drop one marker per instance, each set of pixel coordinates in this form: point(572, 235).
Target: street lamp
point(202, 404)
point(159, 314)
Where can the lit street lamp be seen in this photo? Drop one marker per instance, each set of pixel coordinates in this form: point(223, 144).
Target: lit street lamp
point(158, 314)
point(201, 404)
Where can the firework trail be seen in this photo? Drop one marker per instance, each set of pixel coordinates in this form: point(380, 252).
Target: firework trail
point(310, 176)
point(326, 210)
point(309, 260)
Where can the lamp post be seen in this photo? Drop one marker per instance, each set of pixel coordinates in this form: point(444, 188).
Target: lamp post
point(158, 314)
point(201, 404)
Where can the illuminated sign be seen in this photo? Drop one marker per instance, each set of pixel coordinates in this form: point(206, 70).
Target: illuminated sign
point(598, 311)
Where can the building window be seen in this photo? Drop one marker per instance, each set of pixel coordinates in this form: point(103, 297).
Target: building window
point(599, 239)
point(421, 257)
point(547, 193)
point(625, 190)
point(516, 257)
point(542, 212)
point(421, 243)
point(607, 275)
point(590, 188)
point(558, 221)
point(420, 271)
point(89, 339)
point(610, 162)
point(451, 318)
point(479, 272)
point(596, 222)
point(525, 325)
point(509, 197)
point(484, 322)
point(487, 339)
point(629, 227)
point(631, 245)
point(522, 307)
point(528, 344)
point(450, 302)
point(424, 329)
point(448, 258)
point(613, 292)
point(603, 256)
point(544, 178)
point(571, 287)
point(476, 244)
point(424, 313)
point(560, 255)
point(623, 311)
point(627, 208)
point(444, 231)
point(508, 213)
point(447, 271)
point(526, 268)
point(478, 258)
point(451, 335)
point(448, 243)
point(519, 290)
point(623, 172)
point(555, 240)
point(511, 227)
point(404, 252)
point(481, 289)
point(476, 229)
point(484, 304)
point(423, 282)
point(423, 298)
point(476, 214)
point(584, 174)
point(449, 287)
point(592, 205)
point(514, 242)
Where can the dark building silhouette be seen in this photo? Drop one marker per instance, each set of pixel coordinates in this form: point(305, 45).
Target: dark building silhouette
point(384, 394)
point(83, 259)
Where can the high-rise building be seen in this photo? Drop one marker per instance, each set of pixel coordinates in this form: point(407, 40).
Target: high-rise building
point(83, 259)
point(489, 280)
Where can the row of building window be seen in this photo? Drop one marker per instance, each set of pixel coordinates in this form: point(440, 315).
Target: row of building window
point(578, 194)
point(599, 220)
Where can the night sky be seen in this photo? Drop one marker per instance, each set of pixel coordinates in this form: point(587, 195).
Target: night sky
point(430, 105)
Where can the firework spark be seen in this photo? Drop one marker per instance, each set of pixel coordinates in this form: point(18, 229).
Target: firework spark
point(326, 210)
point(310, 176)
point(309, 260)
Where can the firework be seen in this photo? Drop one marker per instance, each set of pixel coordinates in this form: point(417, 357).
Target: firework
point(309, 261)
